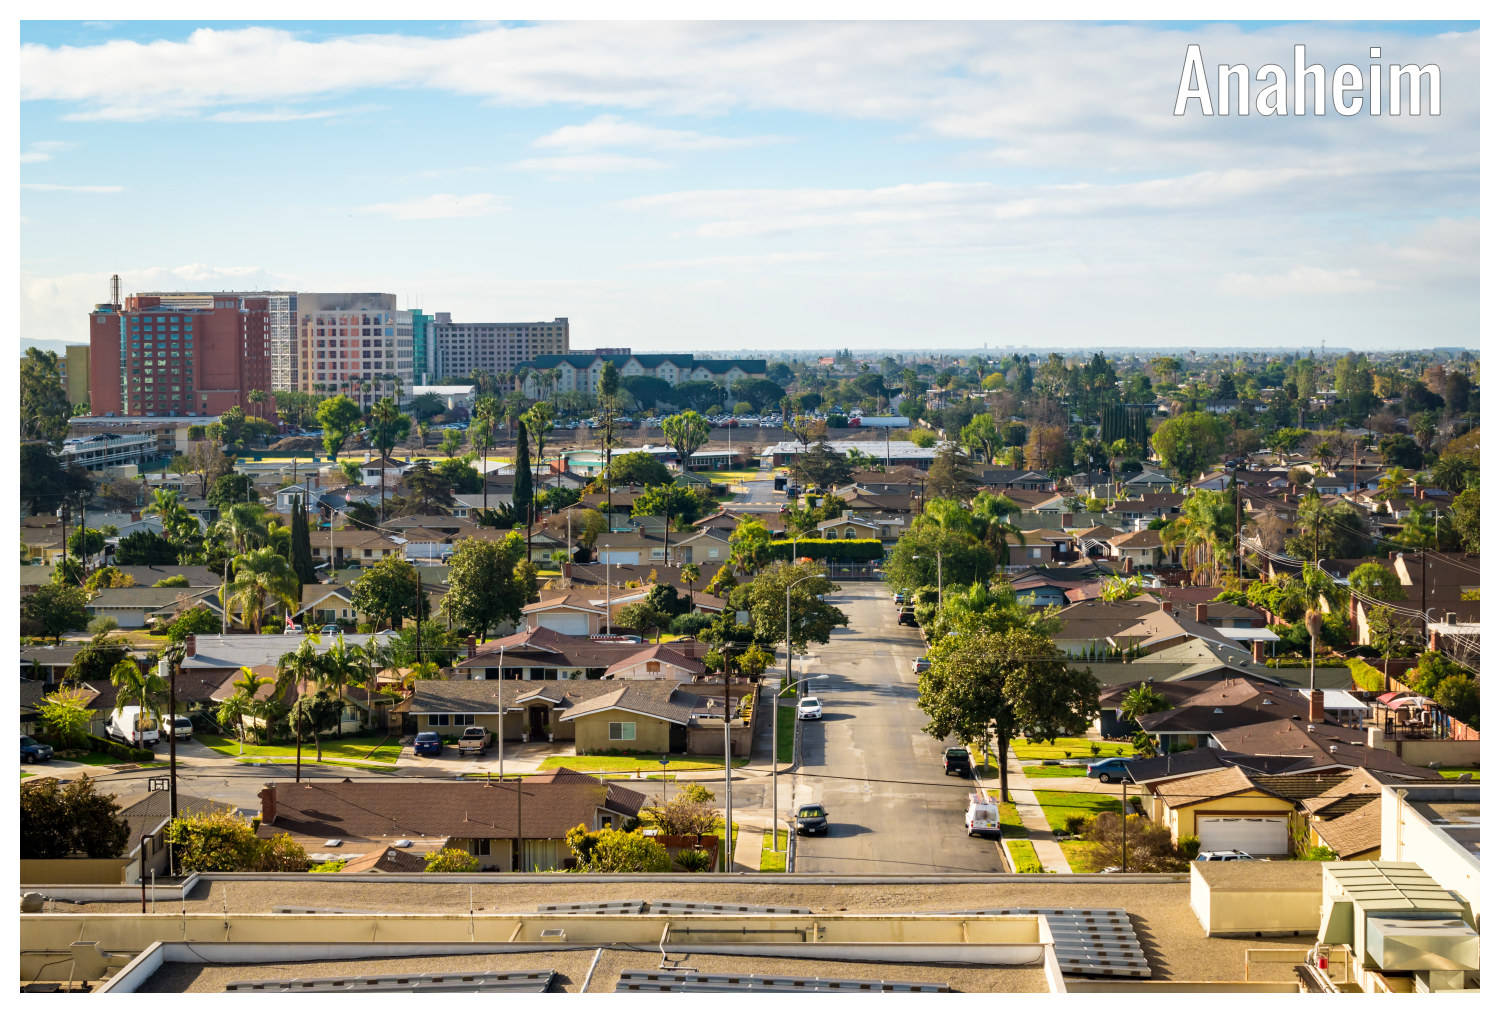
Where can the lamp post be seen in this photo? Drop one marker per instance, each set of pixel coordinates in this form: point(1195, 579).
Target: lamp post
point(776, 754)
point(500, 714)
point(608, 628)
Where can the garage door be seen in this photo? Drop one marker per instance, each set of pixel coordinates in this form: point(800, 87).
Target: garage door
point(574, 624)
point(1259, 835)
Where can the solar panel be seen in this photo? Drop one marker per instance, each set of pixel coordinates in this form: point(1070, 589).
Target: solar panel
point(472, 981)
point(659, 981)
point(1098, 942)
point(688, 907)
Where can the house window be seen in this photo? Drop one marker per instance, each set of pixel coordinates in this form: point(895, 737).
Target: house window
point(481, 846)
point(622, 731)
point(440, 720)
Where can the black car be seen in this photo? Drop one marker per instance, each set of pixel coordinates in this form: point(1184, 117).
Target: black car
point(812, 819)
point(906, 618)
point(33, 751)
point(956, 761)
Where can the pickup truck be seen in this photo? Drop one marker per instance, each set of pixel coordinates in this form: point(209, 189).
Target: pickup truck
point(474, 741)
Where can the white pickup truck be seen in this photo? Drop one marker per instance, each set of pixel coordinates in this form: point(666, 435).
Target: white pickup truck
point(474, 741)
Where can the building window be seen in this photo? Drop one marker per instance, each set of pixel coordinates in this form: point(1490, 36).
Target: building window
point(439, 720)
point(481, 845)
point(622, 731)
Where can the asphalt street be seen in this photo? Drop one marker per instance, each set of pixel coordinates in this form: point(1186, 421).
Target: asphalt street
point(891, 808)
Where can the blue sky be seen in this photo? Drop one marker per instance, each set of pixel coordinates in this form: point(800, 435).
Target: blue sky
point(678, 186)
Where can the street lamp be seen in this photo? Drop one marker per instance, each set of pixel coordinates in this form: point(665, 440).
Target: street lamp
point(776, 754)
point(940, 577)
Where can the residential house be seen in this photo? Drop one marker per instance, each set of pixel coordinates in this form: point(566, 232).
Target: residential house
point(656, 662)
point(1139, 626)
point(1142, 549)
point(1149, 481)
point(133, 608)
point(574, 613)
point(353, 546)
point(352, 819)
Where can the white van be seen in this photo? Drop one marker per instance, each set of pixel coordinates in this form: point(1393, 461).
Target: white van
point(131, 725)
point(983, 816)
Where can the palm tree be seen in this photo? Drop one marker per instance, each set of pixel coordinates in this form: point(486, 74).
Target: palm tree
point(257, 398)
point(262, 577)
point(1204, 531)
point(232, 714)
point(1393, 482)
point(139, 688)
point(482, 435)
point(246, 526)
point(538, 422)
point(294, 673)
point(690, 575)
point(1141, 701)
point(343, 665)
point(991, 518)
point(247, 686)
point(388, 427)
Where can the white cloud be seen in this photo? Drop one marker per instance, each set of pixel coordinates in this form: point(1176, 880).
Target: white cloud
point(1300, 280)
point(277, 115)
point(614, 132)
point(70, 188)
point(42, 151)
point(439, 205)
point(588, 163)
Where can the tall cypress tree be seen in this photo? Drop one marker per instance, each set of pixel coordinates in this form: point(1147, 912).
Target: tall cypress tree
point(522, 499)
point(301, 545)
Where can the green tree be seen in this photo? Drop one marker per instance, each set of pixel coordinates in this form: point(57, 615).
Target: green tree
point(686, 433)
point(44, 402)
point(339, 417)
point(1459, 696)
point(638, 468)
point(145, 548)
point(538, 422)
point(452, 442)
point(54, 609)
point(45, 483)
point(951, 476)
point(642, 617)
point(85, 542)
point(1204, 532)
point(387, 427)
point(981, 437)
point(262, 578)
point(1327, 530)
point(483, 586)
point(1374, 581)
point(60, 819)
point(1190, 443)
point(812, 619)
point(224, 841)
point(138, 687)
point(66, 717)
point(1004, 684)
point(616, 851)
point(301, 545)
point(198, 619)
point(451, 860)
point(389, 591)
point(234, 487)
point(749, 545)
point(1141, 701)
point(523, 498)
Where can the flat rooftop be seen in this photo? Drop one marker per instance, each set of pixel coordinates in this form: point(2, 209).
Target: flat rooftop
point(1459, 820)
point(572, 967)
point(1173, 940)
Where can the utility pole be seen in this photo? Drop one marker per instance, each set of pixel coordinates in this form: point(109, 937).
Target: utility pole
point(420, 602)
point(1239, 556)
point(171, 674)
point(1124, 855)
point(726, 844)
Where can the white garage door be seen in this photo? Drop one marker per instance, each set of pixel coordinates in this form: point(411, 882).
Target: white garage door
point(1259, 835)
point(574, 624)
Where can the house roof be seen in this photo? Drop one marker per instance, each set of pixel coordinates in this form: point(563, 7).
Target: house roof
point(1326, 745)
point(253, 649)
point(387, 859)
point(1143, 539)
point(1204, 787)
point(374, 810)
point(574, 600)
point(664, 700)
point(147, 597)
point(1354, 832)
point(661, 653)
point(482, 696)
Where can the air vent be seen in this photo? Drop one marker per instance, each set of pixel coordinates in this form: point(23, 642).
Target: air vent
point(403, 843)
point(333, 843)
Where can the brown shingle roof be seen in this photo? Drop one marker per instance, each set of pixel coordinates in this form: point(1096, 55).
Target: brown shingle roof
point(1209, 785)
point(1353, 833)
point(387, 860)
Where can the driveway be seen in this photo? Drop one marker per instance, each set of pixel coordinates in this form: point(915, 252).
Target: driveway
point(891, 809)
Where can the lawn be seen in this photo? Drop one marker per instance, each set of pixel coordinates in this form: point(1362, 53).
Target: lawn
point(26, 773)
point(728, 477)
point(786, 728)
point(1062, 749)
point(1453, 773)
point(645, 762)
point(773, 861)
point(1023, 856)
point(366, 748)
point(1057, 771)
point(1080, 855)
point(1059, 805)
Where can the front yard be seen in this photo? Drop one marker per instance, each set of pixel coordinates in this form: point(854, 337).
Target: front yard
point(773, 861)
point(1057, 806)
point(1454, 773)
point(366, 749)
point(646, 763)
point(1055, 771)
point(1062, 749)
point(1023, 856)
point(1080, 856)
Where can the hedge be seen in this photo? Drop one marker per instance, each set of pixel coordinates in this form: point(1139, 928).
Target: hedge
point(109, 747)
point(850, 550)
point(1366, 676)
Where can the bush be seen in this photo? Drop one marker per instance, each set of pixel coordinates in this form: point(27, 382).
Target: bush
point(693, 860)
point(1189, 846)
point(103, 624)
point(1148, 845)
point(1366, 677)
point(225, 842)
point(334, 866)
point(451, 860)
point(1074, 824)
point(690, 624)
point(109, 747)
point(850, 550)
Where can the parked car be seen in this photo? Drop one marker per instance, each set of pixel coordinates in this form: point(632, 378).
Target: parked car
point(33, 751)
point(1234, 855)
point(956, 761)
point(331, 630)
point(179, 727)
point(427, 744)
point(131, 726)
point(474, 741)
point(809, 708)
point(983, 816)
point(1116, 768)
point(907, 618)
point(920, 665)
point(812, 819)
point(294, 628)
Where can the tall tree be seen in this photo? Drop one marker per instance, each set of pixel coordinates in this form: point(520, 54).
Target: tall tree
point(1190, 443)
point(523, 499)
point(484, 589)
point(338, 416)
point(301, 545)
point(685, 433)
point(609, 397)
point(389, 591)
point(538, 423)
point(296, 671)
point(1204, 531)
point(138, 687)
point(44, 402)
point(388, 427)
point(482, 436)
point(54, 609)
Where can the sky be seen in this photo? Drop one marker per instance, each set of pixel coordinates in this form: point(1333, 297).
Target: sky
point(710, 187)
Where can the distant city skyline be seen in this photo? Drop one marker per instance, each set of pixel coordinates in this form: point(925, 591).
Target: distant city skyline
point(719, 187)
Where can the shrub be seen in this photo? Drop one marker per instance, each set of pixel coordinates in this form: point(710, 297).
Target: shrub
point(1094, 749)
point(1188, 847)
point(103, 624)
point(1319, 853)
point(693, 860)
point(334, 866)
point(1148, 845)
point(225, 842)
point(1074, 824)
point(451, 860)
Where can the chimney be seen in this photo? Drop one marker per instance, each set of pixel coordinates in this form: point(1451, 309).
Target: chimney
point(1315, 707)
point(1258, 652)
point(1129, 566)
point(567, 572)
point(1166, 606)
point(470, 644)
point(1200, 612)
point(268, 804)
point(190, 647)
point(1451, 618)
point(1421, 494)
point(1432, 640)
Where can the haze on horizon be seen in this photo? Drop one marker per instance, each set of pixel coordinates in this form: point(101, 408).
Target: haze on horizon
point(718, 186)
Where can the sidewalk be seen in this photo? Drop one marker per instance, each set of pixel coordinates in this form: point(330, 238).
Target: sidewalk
point(747, 846)
point(1038, 831)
